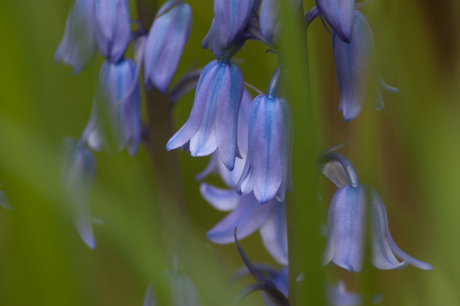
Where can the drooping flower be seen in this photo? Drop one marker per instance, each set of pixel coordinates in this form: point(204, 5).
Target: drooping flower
point(118, 124)
point(347, 227)
point(231, 178)
point(231, 18)
point(248, 215)
point(212, 124)
point(166, 41)
point(113, 27)
point(267, 170)
point(78, 46)
point(78, 177)
point(340, 14)
point(355, 73)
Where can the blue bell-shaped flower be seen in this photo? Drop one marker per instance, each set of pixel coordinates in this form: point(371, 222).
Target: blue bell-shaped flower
point(78, 46)
point(165, 43)
point(113, 27)
point(212, 124)
point(119, 124)
point(231, 18)
point(346, 223)
point(340, 14)
point(78, 177)
point(353, 63)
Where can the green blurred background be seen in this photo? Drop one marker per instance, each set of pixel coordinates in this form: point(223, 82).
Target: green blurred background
point(408, 152)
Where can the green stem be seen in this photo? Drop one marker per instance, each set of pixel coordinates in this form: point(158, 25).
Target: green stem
point(166, 166)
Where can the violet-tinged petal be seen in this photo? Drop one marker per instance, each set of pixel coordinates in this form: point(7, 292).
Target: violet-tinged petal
point(268, 149)
point(212, 167)
point(346, 228)
point(113, 27)
point(353, 62)
point(274, 233)
point(187, 83)
point(382, 255)
point(378, 204)
point(78, 46)
point(231, 18)
point(220, 199)
point(166, 41)
point(248, 216)
point(340, 14)
point(269, 23)
point(227, 116)
point(189, 129)
point(78, 173)
point(119, 124)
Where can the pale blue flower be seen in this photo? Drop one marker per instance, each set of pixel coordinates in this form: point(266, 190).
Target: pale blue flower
point(212, 124)
point(118, 124)
point(166, 41)
point(267, 170)
point(113, 27)
point(78, 46)
point(78, 177)
point(347, 227)
point(340, 16)
point(355, 73)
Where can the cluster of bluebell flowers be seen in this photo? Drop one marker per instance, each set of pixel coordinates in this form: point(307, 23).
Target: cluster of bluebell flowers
point(249, 140)
point(115, 121)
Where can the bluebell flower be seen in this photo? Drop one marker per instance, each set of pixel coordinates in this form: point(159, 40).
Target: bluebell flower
point(340, 14)
point(119, 124)
point(212, 124)
point(113, 27)
point(347, 227)
point(231, 18)
point(269, 19)
point(267, 170)
point(78, 177)
point(248, 215)
point(215, 165)
point(165, 43)
point(353, 62)
point(78, 46)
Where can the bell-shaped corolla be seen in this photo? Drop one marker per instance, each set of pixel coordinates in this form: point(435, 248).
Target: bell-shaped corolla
point(355, 71)
point(216, 165)
point(267, 170)
point(347, 231)
point(118, 108)
point(113, 27)
point(78, 46)
point(231, 18)
point(248, 215)
point(78, 177)
point(340, 14)
point(165, 43)
point(212, 124)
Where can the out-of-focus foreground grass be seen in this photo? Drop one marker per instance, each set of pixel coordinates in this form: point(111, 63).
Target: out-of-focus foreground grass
point(409, 152)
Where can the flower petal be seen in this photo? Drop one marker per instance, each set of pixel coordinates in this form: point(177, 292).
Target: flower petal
point(188, 130)
point(220, 199)
point(340, 14)
point(248, 216)
point(274, 233)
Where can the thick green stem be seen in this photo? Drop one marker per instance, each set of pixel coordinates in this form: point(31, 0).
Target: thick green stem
point(303, 210)
point(165, 164)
